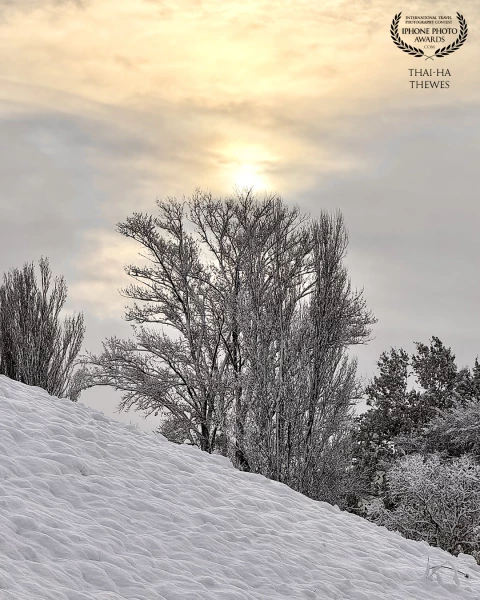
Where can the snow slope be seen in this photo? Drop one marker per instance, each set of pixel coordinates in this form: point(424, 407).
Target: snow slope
point(94, 509)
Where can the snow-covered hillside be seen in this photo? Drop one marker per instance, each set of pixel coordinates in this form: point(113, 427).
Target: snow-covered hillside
point(93, 509)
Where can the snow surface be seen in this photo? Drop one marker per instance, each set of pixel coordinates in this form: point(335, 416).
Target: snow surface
point(94, 509)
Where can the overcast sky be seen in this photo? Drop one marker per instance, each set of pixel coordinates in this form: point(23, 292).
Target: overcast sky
point(107, 105)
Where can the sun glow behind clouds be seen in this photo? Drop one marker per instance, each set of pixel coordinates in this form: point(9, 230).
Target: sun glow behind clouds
point(248, 177)
point(245, 165)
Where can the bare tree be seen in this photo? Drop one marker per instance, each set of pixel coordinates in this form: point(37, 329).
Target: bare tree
point(257, 254)
point(36, 348)
point(183, 372)
point(251, 314)
point(336, 318)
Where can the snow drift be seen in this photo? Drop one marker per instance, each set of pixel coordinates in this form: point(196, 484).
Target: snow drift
point(93, 509)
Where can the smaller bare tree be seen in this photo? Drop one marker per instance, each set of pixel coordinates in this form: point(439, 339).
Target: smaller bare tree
point(36, 348)
point(182, 375)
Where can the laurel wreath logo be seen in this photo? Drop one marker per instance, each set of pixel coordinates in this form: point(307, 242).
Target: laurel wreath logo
point(418, 52)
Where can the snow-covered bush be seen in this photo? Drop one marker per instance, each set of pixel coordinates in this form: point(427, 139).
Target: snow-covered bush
point(435, 500)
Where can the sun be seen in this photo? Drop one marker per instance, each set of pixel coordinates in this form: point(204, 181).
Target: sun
point(247, 176)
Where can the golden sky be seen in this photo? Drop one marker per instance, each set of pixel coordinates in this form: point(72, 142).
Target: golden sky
point(106, 105)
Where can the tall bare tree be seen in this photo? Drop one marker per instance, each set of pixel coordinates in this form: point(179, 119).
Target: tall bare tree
point(252, 314)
